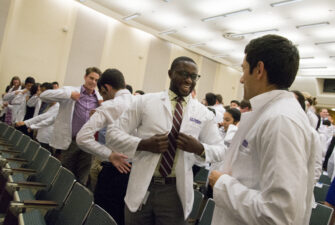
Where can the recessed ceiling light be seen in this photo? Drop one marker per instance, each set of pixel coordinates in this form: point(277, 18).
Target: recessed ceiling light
point(286, 2)
point(225, 15)
point(132, 16)
point(333, 109)
point(197, 44)
point(167, 32)
point(312, 25)
point(325, 43)
point(313, 67)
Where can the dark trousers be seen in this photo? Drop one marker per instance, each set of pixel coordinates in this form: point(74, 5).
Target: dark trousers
point(163, 207)
point(77, 161)
point(110, 191)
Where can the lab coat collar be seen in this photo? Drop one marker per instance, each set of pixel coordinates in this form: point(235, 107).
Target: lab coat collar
point(261, 100)
point(122, 92)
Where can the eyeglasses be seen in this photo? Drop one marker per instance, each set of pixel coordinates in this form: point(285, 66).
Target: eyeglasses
point(185, 75)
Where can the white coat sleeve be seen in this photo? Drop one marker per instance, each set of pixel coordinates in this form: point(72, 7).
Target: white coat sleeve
point(318, 159)
point(9, 96)
point(57, 95)
point(43, 120)
point(85, 137)
point(33, 101)
point(213, 142)
point(283, 178)
point(118, 134)
point(19, 99)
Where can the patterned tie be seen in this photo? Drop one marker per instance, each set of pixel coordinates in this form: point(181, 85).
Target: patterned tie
point(168, 156)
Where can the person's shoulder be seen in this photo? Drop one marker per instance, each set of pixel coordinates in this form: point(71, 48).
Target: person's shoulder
point(201, 109)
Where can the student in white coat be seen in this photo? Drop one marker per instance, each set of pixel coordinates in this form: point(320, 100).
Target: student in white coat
point(113, 178)
point(43, 123)
point(75, 105)
point(160, 188)
point(268, 174)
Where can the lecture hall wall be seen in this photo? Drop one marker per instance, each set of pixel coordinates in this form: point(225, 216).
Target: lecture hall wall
point(55, 40)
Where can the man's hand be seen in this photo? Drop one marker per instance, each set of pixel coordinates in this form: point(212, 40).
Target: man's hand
point(189, 144)
point(119, 161)
point(92, 112)
point(157, 144)
point(19, 124)
point(75, 95)
point(213, 177)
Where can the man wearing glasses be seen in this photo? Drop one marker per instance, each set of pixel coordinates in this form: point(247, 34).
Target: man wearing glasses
point(172, 131)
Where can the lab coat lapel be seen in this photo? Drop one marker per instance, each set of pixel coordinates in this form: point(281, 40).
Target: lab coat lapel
point(167, 104)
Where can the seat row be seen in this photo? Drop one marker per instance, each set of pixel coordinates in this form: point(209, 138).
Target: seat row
point(35, 189)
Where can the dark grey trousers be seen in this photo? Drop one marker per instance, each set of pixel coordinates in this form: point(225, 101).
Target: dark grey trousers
point(163, 207)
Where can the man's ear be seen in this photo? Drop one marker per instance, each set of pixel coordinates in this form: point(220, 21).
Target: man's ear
point(260, 69)
point(170, 73)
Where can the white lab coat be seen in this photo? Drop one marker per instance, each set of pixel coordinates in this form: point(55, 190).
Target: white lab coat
point(62, 135)
point(20, 101)
point(106, 114)
point(151, 114)
point(312, 117)
point(218, 115)
point(272, 164)
point(44, 124)
point(8, 98)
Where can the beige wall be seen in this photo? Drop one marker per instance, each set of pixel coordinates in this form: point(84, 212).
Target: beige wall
point(58, 39)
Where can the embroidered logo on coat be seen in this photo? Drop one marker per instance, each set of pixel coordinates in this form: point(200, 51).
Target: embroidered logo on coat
point(195, 120)
point(245, 143)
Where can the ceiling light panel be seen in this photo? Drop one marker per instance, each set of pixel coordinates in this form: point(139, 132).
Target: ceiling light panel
point(233, 13)
point(312, 25)
point(284, 2)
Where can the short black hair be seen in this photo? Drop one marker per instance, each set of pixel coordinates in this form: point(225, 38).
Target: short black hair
point(55, 82)
point(180, 59)
point(29, 80)
point(130, 88)
point(47, 85)
point(300, 98)
point(140, 92)
point(236, 102)
point(245, 103)
point(92, 70)
point(235, 113)
point(219, 98)
point(113, 77)
point(34, 88)
point(210, 98)
point(280, 58)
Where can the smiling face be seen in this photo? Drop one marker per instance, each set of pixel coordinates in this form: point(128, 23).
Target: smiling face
point(91, 81)
point(180, 84)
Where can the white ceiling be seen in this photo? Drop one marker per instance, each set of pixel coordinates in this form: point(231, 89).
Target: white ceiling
point(185, 19)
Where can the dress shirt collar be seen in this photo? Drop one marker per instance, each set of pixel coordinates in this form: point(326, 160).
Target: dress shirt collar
point(173, 96)
point(84, 91)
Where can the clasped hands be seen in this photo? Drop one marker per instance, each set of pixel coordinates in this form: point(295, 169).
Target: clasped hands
point(159, 144)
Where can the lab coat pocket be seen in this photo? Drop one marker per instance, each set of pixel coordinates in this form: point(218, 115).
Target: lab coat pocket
point(191, 128)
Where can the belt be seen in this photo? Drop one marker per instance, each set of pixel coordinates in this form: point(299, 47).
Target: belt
point(163, 180)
